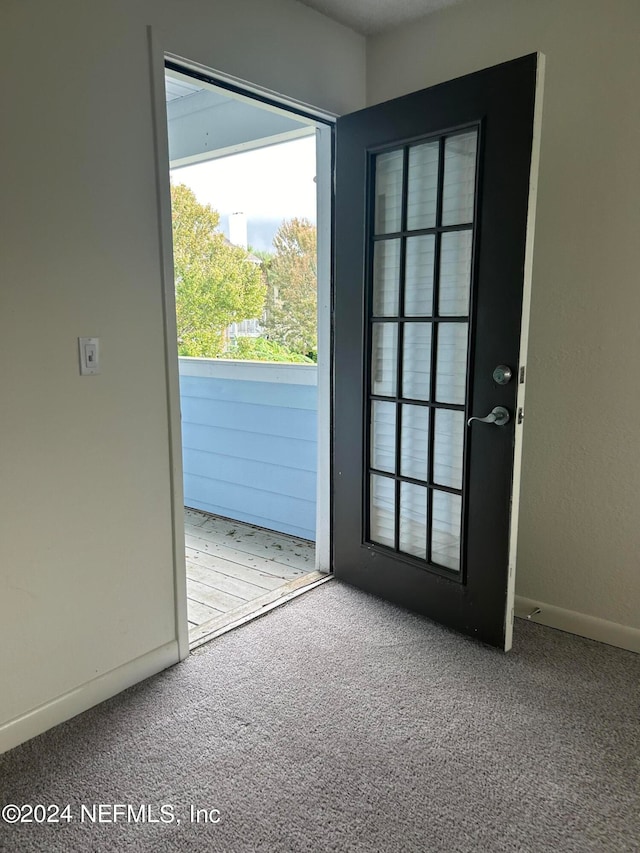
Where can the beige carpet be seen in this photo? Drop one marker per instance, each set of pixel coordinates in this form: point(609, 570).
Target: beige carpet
point(341, 723)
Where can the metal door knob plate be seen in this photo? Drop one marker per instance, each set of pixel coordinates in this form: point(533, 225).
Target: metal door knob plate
point(502, 374)
point(498, 416)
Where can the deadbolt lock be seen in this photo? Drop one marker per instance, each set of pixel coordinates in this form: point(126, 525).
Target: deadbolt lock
point(502, 374)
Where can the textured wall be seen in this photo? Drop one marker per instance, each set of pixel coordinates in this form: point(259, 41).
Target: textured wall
point(86, 574)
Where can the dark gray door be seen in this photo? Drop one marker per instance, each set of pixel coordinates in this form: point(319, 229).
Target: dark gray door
point(432, 208)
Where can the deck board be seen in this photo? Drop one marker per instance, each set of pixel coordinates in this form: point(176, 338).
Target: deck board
point(265, 576)
point(233, 567)
point(194, 517)
point(200, 613)
point(254, 540)
point(208, 546)
point(214, 598)
point(225, 583)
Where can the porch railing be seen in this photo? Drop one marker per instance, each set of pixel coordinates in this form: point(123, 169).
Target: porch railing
point(249, 440)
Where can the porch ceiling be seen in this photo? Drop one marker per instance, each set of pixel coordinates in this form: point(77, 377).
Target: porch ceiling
point(205, 122)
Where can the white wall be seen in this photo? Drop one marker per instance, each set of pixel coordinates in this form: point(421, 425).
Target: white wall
point(86, 583)
point(579, 520)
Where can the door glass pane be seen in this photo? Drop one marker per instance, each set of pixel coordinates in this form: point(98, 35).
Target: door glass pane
point(413, 520)
point(382, 510)
point(455, 273)
point(418, 286)
point(423, 185)
point(386, 278)
point(458, 192)
point(451, 368)
point(388, 200)
point(384, 346)
point(448, 448)
point(416, 365)
point(383, 436)
point(445, 529)
point(414, 442)
point(409, 269)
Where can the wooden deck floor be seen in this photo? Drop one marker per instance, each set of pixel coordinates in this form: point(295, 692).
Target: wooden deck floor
point(234, 568)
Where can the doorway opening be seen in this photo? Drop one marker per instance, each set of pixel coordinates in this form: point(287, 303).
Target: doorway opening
point(251, 217)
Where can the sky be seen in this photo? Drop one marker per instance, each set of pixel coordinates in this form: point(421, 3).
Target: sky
point(268, 185)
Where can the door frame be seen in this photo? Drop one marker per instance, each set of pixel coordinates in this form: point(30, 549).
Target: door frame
point(325, 129)
point(524, 344)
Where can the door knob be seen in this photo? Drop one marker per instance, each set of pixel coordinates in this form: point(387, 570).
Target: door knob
point(502, 374)
point(498, 416)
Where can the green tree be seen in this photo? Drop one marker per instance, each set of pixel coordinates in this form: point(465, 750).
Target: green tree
point(216, 283)
point(261, 349)
point(292, 275)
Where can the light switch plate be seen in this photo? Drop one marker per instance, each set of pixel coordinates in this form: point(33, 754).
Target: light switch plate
point(89, 351)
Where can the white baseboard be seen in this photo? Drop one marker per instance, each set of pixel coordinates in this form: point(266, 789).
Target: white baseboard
point(581, 624)
point(38, 720)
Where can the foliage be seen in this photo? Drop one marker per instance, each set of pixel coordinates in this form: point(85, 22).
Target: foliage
point(292, 278)
point(264, 255)
point(216, 283)
point(261, 349)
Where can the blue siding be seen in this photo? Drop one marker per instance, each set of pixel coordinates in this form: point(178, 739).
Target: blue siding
point(249, 451)
point(244, 391)
point(247, 417)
